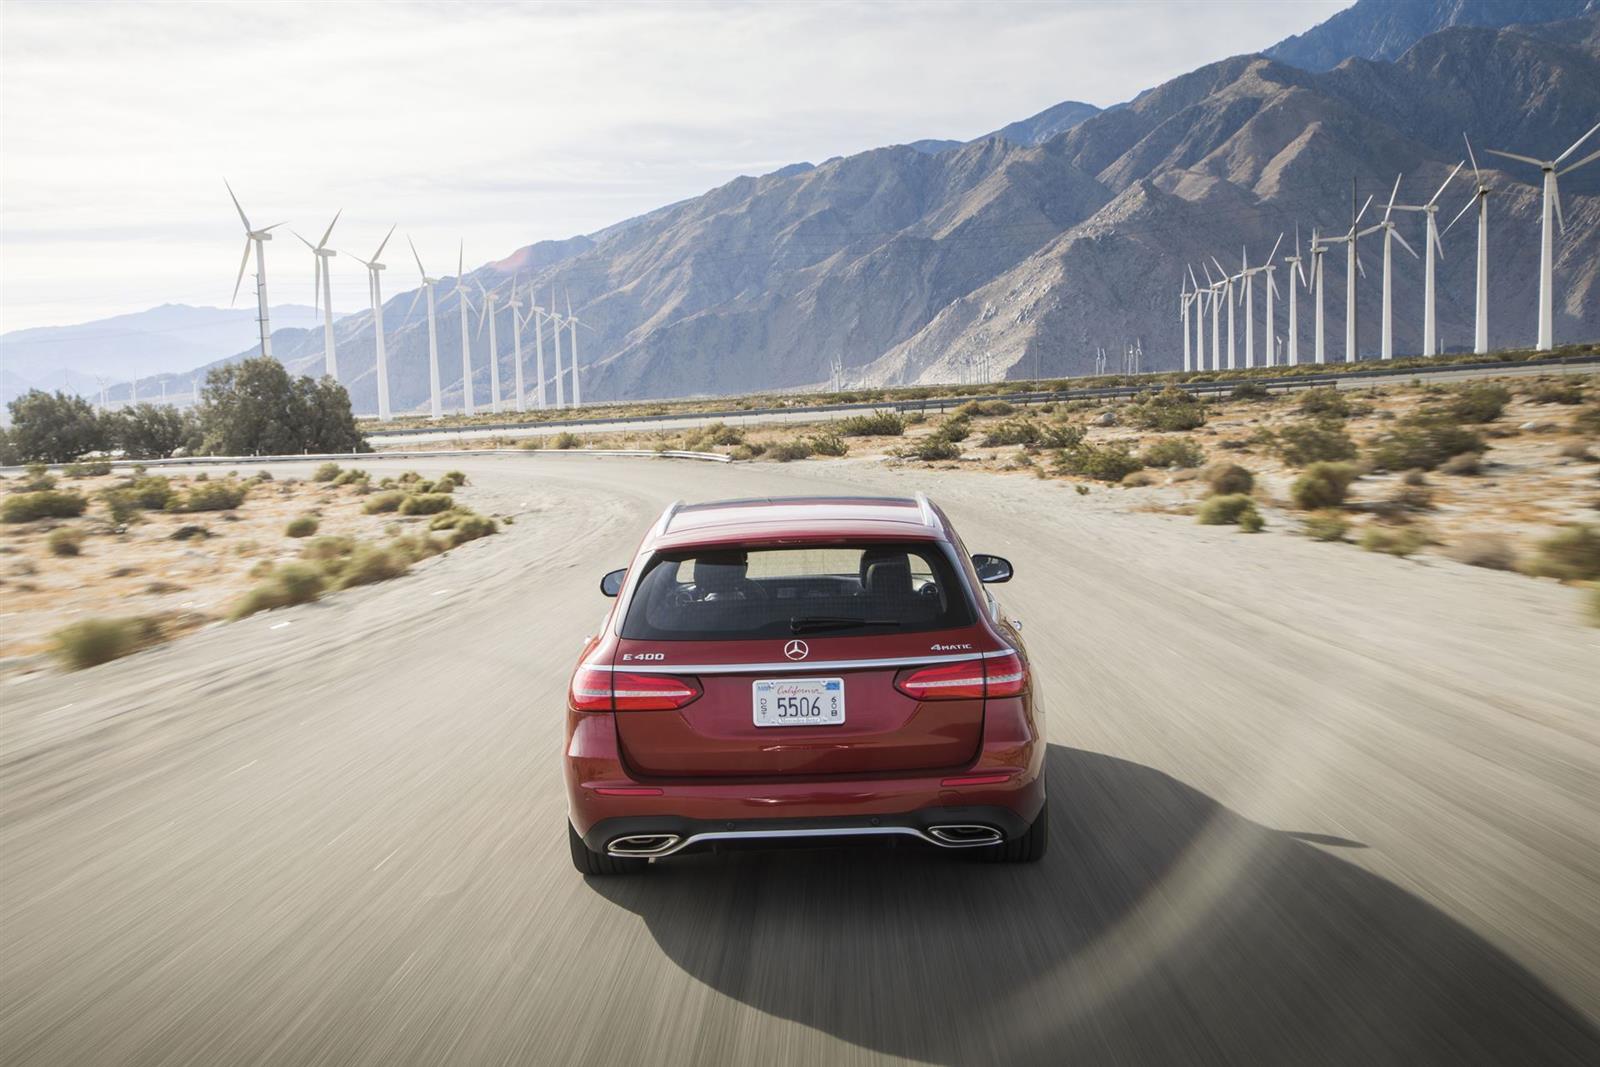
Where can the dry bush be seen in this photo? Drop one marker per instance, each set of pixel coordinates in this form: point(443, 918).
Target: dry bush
point(1405, 541)
point(1227, 479)
point(1110, 463)
point(876, 424)
point(65, 541)
point(426, 503)
point(1572, 554)
point(326, 472)
point(382, 502)
point(44, 504)
point(1227, 510)
point(304, 526)
point(95, 641)
point(1483, 549)
point(1325, 526)
point(292, 583)
point(1323, 485)
point(1173, 452)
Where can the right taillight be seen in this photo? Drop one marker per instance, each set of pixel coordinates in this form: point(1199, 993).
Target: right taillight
point(594, 690)
point(1004, 676)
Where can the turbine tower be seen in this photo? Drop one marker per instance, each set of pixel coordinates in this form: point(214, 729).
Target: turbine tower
point(1270, 269)
point(514, 302)
point(1227, 297)
point(573, 321)
point(1480, 196)
point(1389, 234)
point(1247, 279)
point(375, 288)
point(466, 334)
point(322, 292)
point(536, 315)
point(1216, 319)
point(1318, 250)
point(1432, 250)
point(555, 324)
point(486, 314)
point(1183, 319)
point(1294, 326)
point(1198, 298)
point(1551, 201)
point(1352, 265)
point(259, 239)
point(436, 407)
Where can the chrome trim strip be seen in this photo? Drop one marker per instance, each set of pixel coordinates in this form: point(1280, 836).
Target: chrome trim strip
point(840, 831)
point(791, 666)
point(926, 510)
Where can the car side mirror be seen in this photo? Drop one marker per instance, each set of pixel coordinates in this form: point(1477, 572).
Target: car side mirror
point(611, 584)
point(992, 569)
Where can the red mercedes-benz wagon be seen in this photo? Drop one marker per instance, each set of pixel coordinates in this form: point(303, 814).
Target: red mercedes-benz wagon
point(803, 668)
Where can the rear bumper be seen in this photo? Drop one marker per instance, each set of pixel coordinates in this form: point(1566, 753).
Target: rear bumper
point(943, 827)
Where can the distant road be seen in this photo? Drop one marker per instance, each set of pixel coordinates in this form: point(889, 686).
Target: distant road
point(1366, 378)
point(1311, 805)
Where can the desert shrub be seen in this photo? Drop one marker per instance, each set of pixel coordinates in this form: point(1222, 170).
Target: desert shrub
point(1411, 498)
point(1324, 401)
point(460, 478)
point(1464, 463)
point(1422, 442)
point(416, 547)
point(829, 444)
point(1577, 450)
point(472, 527)
point(789, 451)
point(1405, 541)
point(917, 418)
point(746, 451)
point(1170, 410)
point(203, 476)
point(265, 476)
point(1060, 435)
point(326, 472)
point(409, 478)
point(65, 541)
point(877, 424)
point(931, 449)
point(152, 492)
point(215, 496)
point(93, 469)
point(1572, 554)
point(122, 504)
point(1022, 431)
point(1250, 391)
point(1322, 485)
point(328, 547)
point(189, 533)
point(1173, 452)
point(1321, 441)
point(292, 583)
point(1587, 421)
point(382, 502)
point(372, 563)
point(1227, 479)
point(1479, 402)
point(1325, 526)
point(1224, 510)
point(1138, 480)
point(1251, 521)
point(1490, 550)
point(304, 526)
point(345, 477)
point(955, 429)
point(425, 503)
point(45, 504)
point(565, 439)
point(95, 641)
point(974, 408)
point(1110, 463)
point(1560, 392)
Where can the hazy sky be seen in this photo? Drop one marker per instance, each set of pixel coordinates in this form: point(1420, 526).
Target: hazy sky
point(499, 123)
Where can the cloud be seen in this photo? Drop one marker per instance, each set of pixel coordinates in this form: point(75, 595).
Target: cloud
point(499, 123)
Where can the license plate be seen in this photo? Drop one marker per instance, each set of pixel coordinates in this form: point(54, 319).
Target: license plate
point(798, 702)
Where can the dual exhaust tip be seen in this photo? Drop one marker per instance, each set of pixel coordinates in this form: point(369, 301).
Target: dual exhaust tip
point(951, 835)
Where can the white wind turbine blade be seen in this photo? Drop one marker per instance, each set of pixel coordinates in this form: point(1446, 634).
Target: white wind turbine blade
point(1272, 283)
point(1555, 194)
point(1392, 194)
point(386, 237)
point(1274, 251)
point(1362, 213)
point(1575, 144)
point(1476, 175)
point(329, 231)
point(236, 206)
point(243, 262)
point(1359, 267)
point(420, 269)
point(461, 254)
point(1512, 155)
point(1191, 276)
point(1464, 209)
point(1220, 270)
point(1447, 181)
point(1590, 158)
point(305, 242)
point(269, 229)
point(1405, 246)
point(414, 300)
point(1207, 270)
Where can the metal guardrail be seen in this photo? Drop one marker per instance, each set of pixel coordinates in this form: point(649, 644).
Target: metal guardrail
point(432, 453)
point(1109, 392)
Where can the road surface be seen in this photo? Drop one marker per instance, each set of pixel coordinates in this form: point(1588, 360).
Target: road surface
point(1311, 805)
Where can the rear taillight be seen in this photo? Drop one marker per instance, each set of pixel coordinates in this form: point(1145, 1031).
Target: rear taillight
point(615, 691)
point(1004, 676)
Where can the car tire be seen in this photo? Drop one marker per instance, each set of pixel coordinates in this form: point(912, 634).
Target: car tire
point(588, 861)
point(1029, 847)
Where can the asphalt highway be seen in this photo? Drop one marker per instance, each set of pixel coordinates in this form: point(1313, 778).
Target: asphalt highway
point(1309, 805)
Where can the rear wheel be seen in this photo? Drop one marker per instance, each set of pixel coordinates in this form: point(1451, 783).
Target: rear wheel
point(1028, 848)
point(588, 861)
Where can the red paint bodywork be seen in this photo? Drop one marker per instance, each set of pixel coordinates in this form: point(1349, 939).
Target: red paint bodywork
point(891, 756)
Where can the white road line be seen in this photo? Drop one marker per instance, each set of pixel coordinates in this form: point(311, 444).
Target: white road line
point(277, 626)
point(386, 859)
point(440, 592)
point(246, 767)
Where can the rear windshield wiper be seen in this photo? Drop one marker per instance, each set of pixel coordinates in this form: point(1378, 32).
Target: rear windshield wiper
point(810, 623)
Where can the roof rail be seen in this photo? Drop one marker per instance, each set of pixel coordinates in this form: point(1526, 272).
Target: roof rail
point(929, 516)
point(666, 516)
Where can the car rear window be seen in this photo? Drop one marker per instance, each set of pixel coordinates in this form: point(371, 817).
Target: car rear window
point(834, 590)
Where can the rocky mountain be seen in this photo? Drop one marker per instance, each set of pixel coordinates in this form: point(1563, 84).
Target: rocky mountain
point(1386, 29)
point(910, 262)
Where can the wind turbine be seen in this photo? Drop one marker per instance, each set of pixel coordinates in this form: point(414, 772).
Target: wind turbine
point(1198, 297)
point(1480, 196)
point(1270, 269)
point(466, 339)
point(1552, 200)
point(486, 314)
point(1294, 325)
point(1389, 234)
point(1318, 250)
point(514, 302)
point(436, 408)
point(375, 289)
point(259, 239)
point(1247, 279)
point(536, 316)
point(575, 322)
point(1352, 265)
point(555, 323)
point(1430, 331)
point(1227, 297)
point(1216, 317)
point(1183, 319)
point(322, 290)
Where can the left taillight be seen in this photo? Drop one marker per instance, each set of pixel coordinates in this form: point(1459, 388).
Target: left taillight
point(594, 690)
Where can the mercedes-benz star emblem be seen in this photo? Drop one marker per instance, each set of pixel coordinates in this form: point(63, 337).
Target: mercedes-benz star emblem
point(796, 650)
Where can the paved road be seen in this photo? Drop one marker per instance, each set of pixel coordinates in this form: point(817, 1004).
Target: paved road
point(1311, 806)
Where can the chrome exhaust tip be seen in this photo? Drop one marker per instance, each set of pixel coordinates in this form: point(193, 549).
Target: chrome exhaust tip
point(643, 845)
point(965, 835)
